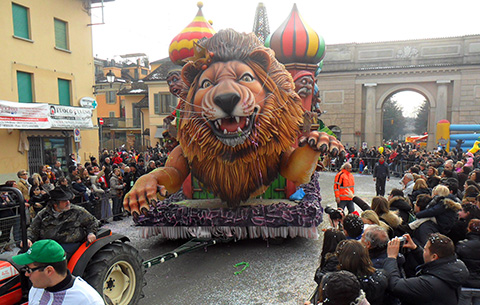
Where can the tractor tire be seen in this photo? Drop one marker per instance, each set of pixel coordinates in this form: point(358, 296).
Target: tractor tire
point(117, 273)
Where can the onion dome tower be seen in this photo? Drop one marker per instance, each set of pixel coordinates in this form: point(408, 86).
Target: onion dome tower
point(299, 48)
point(296, 42)
point(260, 25)
point(181, 46)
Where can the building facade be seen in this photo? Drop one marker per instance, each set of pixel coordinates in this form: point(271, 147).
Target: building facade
point(46, 91)
point(357, 79)
point(121, 101)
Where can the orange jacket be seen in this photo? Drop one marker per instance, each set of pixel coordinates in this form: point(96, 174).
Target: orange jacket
point(344, 185)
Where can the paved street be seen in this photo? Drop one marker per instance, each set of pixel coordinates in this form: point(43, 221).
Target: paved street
point(278, 274)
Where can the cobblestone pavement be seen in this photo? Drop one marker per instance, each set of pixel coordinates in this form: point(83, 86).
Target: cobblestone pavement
point(278, 273)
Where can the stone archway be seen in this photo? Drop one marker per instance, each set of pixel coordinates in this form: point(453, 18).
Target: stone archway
point(432, 116)
point(358, 77)
point(377, 94)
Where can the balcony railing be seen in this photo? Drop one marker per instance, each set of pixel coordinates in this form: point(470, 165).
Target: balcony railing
point(121, 123)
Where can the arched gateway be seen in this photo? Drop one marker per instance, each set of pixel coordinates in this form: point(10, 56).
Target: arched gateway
point(358, 78)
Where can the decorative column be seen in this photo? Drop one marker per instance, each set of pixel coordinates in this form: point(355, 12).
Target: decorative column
point(442, 100)
point(370, 114)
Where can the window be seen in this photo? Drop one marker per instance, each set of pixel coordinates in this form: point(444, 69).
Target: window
point(25, 88)
point(164, 103)
point(61, 41)
point(111, 97)
point(144, 72)
point(64, 92)
point(156, 103)
point(21, 26)
point(111, 114)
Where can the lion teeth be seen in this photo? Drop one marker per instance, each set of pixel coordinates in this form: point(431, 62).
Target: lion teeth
point(237, 119)
point(248, 121)
point(225, 131)
point(217, 124)
point(239, 129)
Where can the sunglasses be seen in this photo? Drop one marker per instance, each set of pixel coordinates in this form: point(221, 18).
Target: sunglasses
point(32, 270)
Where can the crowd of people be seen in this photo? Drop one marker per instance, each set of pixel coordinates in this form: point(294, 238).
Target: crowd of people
point(419, 244)
point(97, 185)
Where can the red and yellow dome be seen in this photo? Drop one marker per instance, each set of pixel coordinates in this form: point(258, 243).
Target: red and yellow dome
point(181, 46)
point(296, 42)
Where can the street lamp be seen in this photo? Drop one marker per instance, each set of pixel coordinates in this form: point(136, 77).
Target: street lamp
point(110, 78)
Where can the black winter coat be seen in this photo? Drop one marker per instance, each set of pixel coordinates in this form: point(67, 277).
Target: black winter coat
point(459, 230)
point(468, 251)
point(444, 210)
point(420, 235)
point(415, 193)
point(436, 282)
point(401, 205)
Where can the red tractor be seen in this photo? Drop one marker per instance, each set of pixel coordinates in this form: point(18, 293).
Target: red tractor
point(111, 265)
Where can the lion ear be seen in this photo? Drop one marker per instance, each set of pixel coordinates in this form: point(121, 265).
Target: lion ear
point(189, 72)
point(262, 58)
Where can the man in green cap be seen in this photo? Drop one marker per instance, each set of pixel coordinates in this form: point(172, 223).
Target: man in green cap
point(46, 267)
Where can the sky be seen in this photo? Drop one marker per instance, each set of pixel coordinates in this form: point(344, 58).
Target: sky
point(148, 26)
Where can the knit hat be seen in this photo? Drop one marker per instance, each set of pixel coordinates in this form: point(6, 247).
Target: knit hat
point(42, 251)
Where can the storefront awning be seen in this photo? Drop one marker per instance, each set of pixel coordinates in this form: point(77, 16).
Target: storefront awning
point(49, 133)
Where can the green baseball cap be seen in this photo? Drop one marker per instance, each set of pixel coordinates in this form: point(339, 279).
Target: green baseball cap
point(42, 251)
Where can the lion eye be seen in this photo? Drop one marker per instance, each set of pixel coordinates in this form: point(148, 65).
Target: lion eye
point(206, 83)
point(246, 77)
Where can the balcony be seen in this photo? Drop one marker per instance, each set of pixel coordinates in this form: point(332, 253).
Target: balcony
point(121, 123)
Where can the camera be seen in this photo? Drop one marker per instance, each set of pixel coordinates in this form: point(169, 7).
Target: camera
point(333, 213)
point(402, 240)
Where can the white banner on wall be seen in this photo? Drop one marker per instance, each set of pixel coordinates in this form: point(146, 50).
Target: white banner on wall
point(43, 116)
point(24, 115)
point(70, 117)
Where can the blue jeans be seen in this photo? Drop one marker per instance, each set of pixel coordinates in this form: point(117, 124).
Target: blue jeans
point(348, 204)
point(469, 296)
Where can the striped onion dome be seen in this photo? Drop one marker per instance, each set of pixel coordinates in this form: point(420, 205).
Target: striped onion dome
point(296, 42)
point(181, 46)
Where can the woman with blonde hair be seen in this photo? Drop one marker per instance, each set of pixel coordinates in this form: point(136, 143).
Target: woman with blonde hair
point(371, 218)
point(420, 187)
point(381, 207)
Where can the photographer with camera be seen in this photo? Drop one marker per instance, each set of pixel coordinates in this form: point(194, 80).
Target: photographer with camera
point(437, 281)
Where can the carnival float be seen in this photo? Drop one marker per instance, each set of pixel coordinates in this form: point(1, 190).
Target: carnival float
point(248, 126)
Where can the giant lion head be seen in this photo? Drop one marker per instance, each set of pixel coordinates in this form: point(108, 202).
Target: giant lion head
point(240, 115)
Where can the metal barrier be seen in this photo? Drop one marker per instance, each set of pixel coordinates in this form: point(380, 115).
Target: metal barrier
point(102, 206)
point(397, 167)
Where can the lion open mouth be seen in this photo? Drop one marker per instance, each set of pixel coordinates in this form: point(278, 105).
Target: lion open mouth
point(233, 131)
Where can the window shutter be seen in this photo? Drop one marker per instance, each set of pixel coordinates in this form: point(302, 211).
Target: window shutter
point(61, 34)
point(64, 92)
point(24, 86)
point(20, 21)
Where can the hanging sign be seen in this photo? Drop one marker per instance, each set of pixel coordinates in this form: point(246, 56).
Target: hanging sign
point(70, 117)
point(23, 115)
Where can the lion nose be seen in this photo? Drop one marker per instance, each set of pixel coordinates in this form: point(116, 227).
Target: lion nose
point(227, 102)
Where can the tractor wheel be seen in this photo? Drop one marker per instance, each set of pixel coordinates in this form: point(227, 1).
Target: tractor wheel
point(117, 273)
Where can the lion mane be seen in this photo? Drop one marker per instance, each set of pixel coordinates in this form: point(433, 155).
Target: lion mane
point(235, 173)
